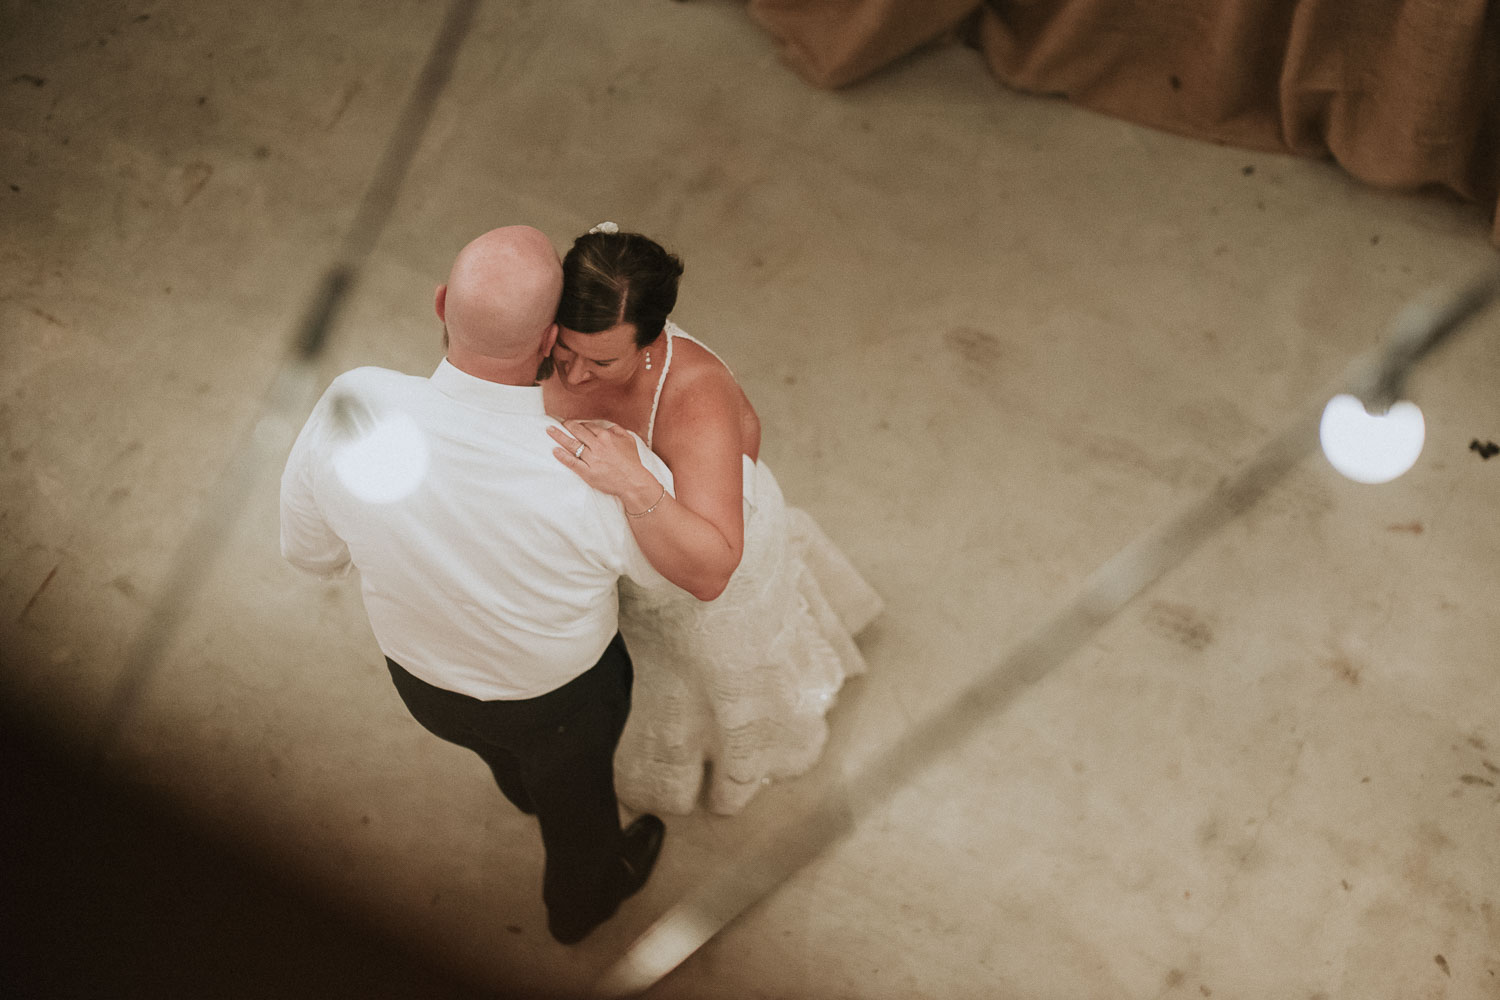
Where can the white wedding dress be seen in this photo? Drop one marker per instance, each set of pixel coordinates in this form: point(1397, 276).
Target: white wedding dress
point(731, 693)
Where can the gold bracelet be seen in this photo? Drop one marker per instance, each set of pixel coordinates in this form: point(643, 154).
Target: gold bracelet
point(650, 508)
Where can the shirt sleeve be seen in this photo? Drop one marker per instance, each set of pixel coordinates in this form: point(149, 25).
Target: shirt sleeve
point(307, 541)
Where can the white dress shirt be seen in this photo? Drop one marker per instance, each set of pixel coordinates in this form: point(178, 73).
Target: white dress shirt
point(495, 576)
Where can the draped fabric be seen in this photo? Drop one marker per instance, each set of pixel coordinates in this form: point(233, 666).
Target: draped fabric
point(831, 43)
point(1402, 94)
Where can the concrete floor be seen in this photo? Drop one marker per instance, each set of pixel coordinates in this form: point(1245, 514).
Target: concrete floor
point(993, 339)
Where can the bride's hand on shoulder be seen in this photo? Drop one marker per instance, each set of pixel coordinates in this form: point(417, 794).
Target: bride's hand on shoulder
point(603, 455)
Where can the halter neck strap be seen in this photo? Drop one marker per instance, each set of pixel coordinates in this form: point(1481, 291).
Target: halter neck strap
point(661, 380)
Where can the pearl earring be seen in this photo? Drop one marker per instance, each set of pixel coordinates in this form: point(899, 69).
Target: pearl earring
point(648, 361)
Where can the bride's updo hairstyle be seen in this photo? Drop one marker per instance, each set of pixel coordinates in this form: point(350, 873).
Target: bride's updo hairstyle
point(611, 278)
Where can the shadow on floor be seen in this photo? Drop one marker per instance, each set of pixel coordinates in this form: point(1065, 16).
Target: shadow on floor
point(104, 893)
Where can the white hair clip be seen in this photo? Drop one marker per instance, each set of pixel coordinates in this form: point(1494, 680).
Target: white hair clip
point(608, 228)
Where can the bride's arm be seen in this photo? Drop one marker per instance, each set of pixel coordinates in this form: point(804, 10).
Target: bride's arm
point(696, 538)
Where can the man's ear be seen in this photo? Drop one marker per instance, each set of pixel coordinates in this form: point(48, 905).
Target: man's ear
point(550, 339)
point(440, 303)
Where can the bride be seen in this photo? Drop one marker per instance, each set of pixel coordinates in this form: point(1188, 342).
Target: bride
point(733, 678)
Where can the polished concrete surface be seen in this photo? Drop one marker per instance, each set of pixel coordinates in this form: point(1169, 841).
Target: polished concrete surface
point(993, 339)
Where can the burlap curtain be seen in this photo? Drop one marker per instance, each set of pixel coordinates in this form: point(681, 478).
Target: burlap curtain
point(1401, 93)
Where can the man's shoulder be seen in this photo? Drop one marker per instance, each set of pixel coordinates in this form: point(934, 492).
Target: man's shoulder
point(381, 388)
point(373, 379)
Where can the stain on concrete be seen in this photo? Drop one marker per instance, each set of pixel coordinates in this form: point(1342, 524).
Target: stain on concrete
point(1127, 456)
point(980, 352)
point(123, 585)
point(1180, 623)
point(1442, 963)
point(126, 452)
point(1433, 837)
point(1343, 668)
point(1217, 424)
point(1475, 779)
point(1208, 832)
point(1410, 528)
point(194, 177)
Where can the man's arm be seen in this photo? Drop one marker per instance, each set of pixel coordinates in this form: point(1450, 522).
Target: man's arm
point(307, 541)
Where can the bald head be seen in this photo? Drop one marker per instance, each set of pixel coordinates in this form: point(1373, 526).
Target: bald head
point(501, 297)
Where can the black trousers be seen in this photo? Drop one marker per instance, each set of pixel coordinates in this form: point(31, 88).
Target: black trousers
point(552, 756)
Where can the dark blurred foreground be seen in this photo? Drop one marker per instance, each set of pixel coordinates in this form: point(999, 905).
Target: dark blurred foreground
point(104, 893)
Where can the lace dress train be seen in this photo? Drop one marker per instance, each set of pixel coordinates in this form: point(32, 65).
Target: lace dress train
point(733, 692)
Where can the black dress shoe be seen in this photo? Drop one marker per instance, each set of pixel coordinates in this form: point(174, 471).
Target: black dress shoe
point(642, 844)
point(565, 933)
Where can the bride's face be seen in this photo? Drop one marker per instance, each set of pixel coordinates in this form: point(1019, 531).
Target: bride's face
point(587, 361)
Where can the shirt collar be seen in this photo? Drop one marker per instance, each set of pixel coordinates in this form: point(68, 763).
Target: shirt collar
point(525, 400)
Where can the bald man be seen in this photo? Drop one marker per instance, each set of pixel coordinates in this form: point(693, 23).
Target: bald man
point(489, 569)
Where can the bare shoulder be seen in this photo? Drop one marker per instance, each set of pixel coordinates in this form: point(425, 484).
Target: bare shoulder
point(695, 372)
point(702, 395)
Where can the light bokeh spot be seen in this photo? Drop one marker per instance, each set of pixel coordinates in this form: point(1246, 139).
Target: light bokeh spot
point(386, 463)
point(1368, 447)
